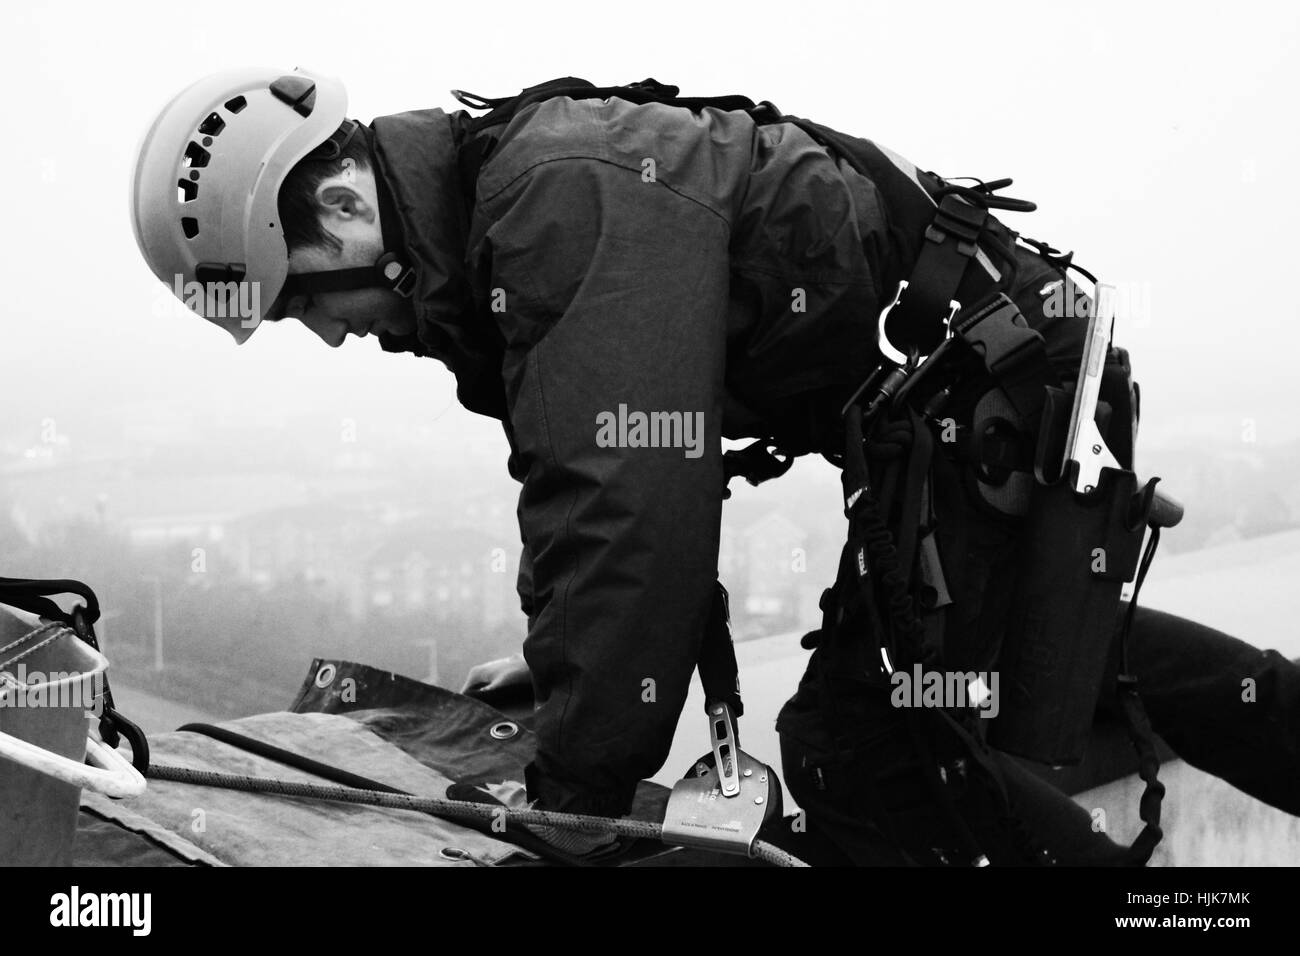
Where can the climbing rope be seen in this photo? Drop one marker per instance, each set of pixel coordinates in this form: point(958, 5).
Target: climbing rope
point(443, 807)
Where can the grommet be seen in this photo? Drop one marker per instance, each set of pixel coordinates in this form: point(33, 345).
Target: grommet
point(504, 730)
point(455, 854)
point(325, 676)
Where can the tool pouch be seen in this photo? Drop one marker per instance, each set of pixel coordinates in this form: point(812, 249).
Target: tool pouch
point(1076, 553)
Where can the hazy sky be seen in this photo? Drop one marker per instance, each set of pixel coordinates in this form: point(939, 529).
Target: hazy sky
point(1159, 141)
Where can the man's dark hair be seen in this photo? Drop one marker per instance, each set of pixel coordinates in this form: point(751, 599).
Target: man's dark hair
point(299, 213)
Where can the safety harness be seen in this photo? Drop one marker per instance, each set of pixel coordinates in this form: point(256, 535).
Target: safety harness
point(937, 344)
point(952, 339)
point(891, 586)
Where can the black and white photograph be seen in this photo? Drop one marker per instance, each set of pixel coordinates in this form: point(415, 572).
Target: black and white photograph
point(713, 438)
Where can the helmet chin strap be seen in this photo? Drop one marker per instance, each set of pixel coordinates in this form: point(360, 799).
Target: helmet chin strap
point(390, 271)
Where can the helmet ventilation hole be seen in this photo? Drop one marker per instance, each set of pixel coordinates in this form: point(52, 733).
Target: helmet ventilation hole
point(213, 125)
point(196, 156)
point(190, 226)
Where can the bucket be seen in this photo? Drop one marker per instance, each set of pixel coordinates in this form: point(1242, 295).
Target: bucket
point(51, 684)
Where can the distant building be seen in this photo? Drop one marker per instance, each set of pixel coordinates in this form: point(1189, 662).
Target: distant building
point(764, 568)
point(453, 573)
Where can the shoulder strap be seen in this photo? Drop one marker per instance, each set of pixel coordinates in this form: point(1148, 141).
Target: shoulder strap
point(649, 90)
point(480, 138)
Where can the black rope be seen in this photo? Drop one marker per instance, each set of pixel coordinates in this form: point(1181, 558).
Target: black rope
point(877, 555)
point(1138, 726)
point(513, 832)
point(1143, 567)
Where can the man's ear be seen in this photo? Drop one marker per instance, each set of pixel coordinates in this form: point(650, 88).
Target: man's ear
point(341, 201)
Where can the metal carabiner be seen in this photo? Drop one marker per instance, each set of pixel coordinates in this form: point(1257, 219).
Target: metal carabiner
point(888, 349)
point(112, 725)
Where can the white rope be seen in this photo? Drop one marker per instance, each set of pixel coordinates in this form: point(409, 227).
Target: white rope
point(108, 772)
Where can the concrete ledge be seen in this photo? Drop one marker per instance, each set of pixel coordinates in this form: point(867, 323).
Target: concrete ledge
point(1206, 821)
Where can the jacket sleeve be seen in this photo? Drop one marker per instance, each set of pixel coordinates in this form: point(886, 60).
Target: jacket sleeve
point(611, 294)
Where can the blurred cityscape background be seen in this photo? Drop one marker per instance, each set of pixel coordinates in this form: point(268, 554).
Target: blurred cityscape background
point(229, 553)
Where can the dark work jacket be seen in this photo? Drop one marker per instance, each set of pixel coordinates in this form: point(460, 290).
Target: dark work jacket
point(646, 257)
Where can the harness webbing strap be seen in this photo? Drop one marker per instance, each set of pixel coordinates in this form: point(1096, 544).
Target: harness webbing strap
point(951, 241)
point(719, 672)
point(910, 516)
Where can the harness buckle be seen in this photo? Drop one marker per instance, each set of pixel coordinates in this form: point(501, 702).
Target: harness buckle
point(891, 351)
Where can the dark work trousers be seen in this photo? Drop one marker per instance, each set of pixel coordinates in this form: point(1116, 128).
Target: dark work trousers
point(1224, 706)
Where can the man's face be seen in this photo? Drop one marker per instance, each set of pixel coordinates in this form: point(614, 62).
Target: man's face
point(349, 207)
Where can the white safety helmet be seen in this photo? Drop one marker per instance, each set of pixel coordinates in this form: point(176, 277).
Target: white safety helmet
point(207, 178)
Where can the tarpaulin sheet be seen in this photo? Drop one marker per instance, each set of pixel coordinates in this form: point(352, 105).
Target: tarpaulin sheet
point(391, 729)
